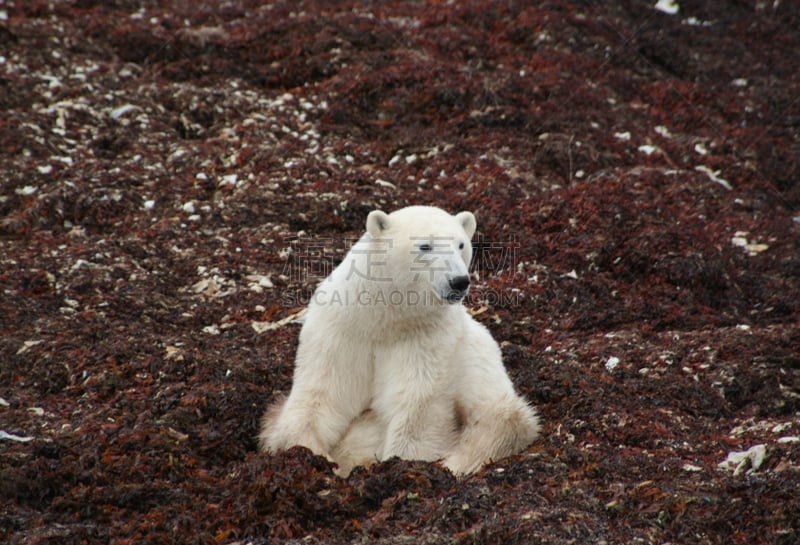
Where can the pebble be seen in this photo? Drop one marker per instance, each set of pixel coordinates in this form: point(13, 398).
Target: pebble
point(612, 363)
point(669, 7)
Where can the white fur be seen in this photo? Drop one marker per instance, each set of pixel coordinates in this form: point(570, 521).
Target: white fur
point(391, 364)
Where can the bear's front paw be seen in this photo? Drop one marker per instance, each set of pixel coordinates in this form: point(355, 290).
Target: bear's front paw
point(460, 467)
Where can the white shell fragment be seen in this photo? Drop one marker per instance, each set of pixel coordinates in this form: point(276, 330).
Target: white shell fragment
point(740, 461)
point(612, 363)
point(667, 6)
point(12, 437)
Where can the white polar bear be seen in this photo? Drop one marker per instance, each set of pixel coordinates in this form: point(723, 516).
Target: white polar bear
point(391, 364)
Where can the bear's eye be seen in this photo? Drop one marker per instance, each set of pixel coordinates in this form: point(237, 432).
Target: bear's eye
point(461, 246)
point(425, 248)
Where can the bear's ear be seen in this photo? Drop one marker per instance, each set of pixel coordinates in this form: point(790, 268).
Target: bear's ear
point(377, 223)
point(467, 221)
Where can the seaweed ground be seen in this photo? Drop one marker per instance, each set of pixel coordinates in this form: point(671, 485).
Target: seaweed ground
point(176, 176)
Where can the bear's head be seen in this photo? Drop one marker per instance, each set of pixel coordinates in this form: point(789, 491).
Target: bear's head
point(427, 252)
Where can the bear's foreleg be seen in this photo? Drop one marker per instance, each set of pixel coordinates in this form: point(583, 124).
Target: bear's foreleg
point(412, 401)
point(402, 436)
point(492, 432)
point(301, 422)
point(361, 445)
point(331, 388)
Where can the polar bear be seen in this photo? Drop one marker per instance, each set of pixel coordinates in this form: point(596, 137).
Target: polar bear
point(390, 363)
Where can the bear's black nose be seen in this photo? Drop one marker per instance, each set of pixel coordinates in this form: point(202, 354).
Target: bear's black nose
point(459, 283)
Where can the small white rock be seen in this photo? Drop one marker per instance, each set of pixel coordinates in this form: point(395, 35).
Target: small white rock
point(670, 7)
point(612, 363)
point(647, 149)
point(26, 191)
point(739, 241)
point(663, 131)
point(754, 249)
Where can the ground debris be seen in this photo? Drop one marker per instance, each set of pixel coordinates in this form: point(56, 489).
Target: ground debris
point(176, 179)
